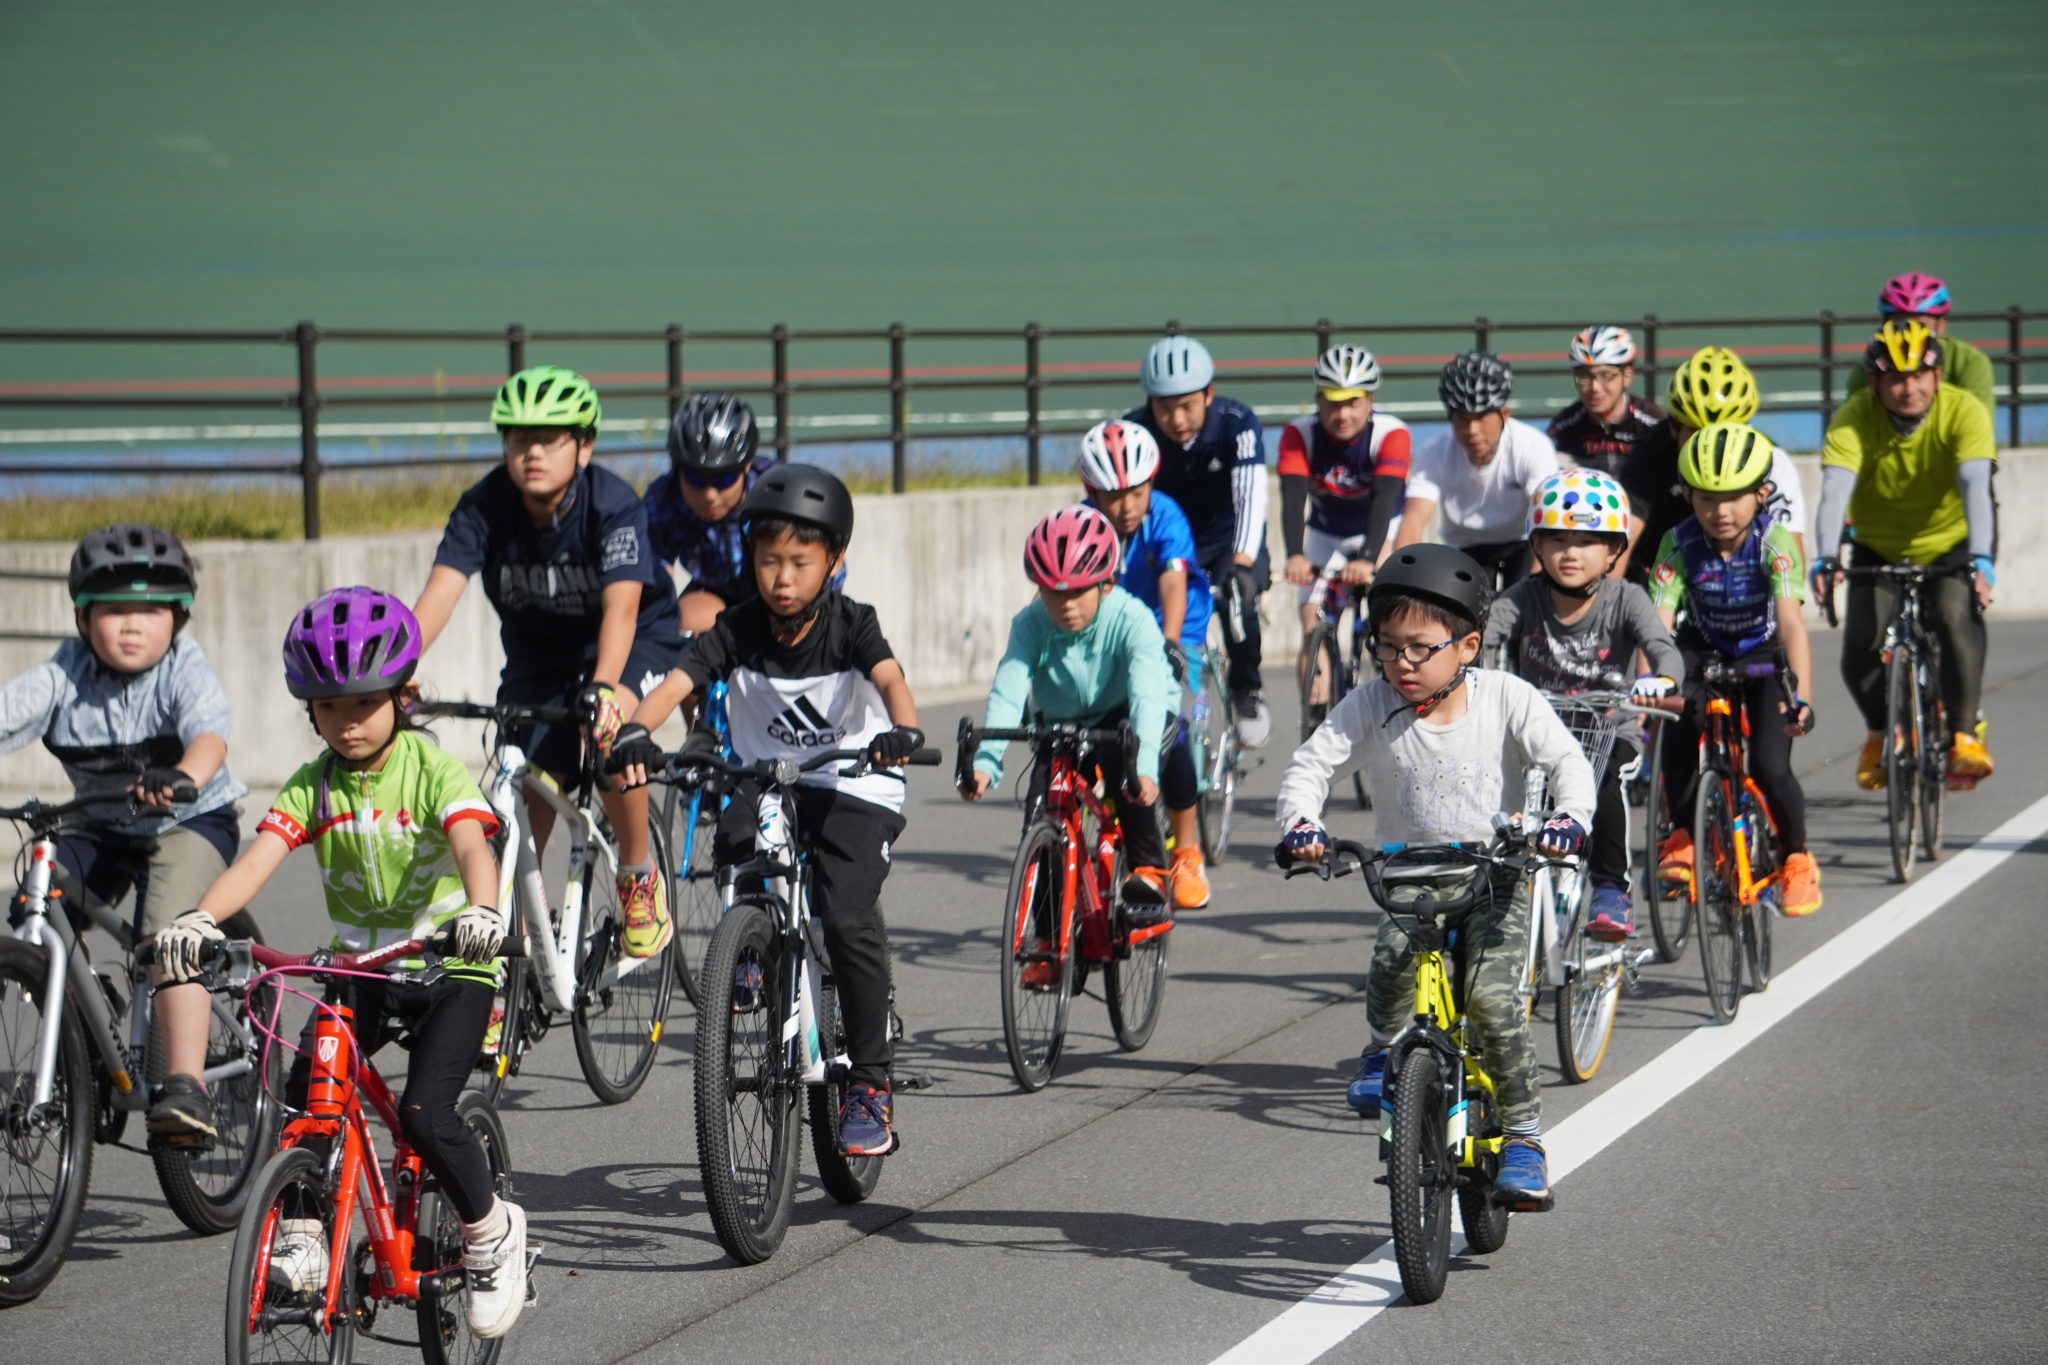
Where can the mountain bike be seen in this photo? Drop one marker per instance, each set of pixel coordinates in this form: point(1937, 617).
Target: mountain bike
point(1440, 1128)
point(72, 1070)
point(1916, 717)
point(392, 1238)
point(1331, 665)
point(769, 1031)
point(616, 1005)
point(687, 817)
point(1065, 913)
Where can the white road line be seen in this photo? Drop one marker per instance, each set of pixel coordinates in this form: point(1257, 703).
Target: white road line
point(1357, 1295)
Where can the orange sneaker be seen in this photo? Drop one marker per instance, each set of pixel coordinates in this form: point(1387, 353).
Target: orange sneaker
point(1870, 764)
point(1968, 761)
point(1674, 856)
point(1799, 885)
point(1190, 884)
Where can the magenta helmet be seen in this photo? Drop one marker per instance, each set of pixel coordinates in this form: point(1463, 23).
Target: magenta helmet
point(1913, 293)
point(1075, 547)
point(349, 643)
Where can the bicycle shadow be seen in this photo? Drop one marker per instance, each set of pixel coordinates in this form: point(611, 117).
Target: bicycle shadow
point(632, 1216)
point(105, 1232)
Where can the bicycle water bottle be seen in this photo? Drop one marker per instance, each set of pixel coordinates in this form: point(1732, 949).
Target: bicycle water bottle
point(334, 1047)
point(1198, 714)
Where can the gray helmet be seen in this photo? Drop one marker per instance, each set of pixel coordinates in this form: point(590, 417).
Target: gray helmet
point(801, 492)
point(131, 562)
point(713, 432)
point(1442, 573)
point(1477, 381)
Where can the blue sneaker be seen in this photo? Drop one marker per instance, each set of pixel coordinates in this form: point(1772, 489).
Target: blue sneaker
point(1524, 1179)
point(746, 988)
point(1363, 1094)
point(1611, 906)
point(864, 1127)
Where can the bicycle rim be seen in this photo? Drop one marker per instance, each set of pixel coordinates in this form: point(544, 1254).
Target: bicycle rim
point(1420, 1178)
point(687, 818)
point(1901, 761)
point(746, 1097)
point(1037, 979)
point(44, 1167)
point(1714, 907)
point(206, 1187)
point(848, 1179)
point(1759, 920)
point(1587, 999)
point(1485, 1222)
point(621, 1002)
point(1323, 671)
point(267, 1323)
point(445, 1338)
point(1134, 979)
point(1670, 906)
point(1933, 759)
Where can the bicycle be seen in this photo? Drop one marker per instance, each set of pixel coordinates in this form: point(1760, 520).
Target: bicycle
point(69, 1078)
point(1916, 717)
point(1220, 761)
point(686, 820)
point(1065, 913)
point(782, 1038)
point(408, 1248)
point(617, 1006)
point(1440, 1131)
point(1327, 666)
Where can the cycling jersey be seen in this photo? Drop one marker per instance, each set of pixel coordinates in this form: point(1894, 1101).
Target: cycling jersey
point(1341, 481)
point(710, 552)
point(1658, 500)
point(1963, 367)
point(106, 727)
point(1590, 443)
point(1219, 478)
point(1732, 601)
point(381, 839)
point(1161, 544)
point(1906, 505)
point(1483, 504)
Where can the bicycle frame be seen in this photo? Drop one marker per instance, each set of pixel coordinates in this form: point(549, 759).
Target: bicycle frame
point(1087, 867)
point(1440, 1025)
point(786, 893)
point(1722, 759)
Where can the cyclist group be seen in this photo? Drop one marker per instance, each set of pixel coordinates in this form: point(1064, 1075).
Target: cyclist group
point(1570, 556)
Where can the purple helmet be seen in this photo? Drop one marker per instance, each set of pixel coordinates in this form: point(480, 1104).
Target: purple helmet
point(350, 642)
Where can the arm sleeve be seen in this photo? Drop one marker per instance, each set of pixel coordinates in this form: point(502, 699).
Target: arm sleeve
point(1974, 478)
point(1547, 743)
point(1174, 546)
point(28, 705)
point(1788, 570)
point(1155, 695)
point(710, 656)
point(1667, 575)
point(1248, 488)
point(1330, 752)
point(462, 543)
point(625, 556)
point(1659, 652)
point(456, 795)
point(1293, 510)
point(1006, 697)
point(1836, 484)
point(1386, 505)
point(200, 701)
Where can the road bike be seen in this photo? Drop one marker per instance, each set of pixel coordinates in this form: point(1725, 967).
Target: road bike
point(1065, 913)
point(617, 1006)
point(393, 1238)
point(687, 817)
point(1331, 663)
point(769, 1030)
point(72, 1069)
point(1440, 1129)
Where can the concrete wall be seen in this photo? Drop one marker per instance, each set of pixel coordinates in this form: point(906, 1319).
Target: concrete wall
point(942, 568)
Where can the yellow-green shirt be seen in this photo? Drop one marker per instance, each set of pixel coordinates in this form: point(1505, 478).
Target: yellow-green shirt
point(1906, 505)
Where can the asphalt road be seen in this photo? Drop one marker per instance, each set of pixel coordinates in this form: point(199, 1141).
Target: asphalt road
point(1860, 1182)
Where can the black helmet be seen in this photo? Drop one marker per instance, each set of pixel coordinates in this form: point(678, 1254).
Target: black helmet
point(1477, 381)
point(802, 492)
point(131, 562)
point(713, 432)
point(1442, 573)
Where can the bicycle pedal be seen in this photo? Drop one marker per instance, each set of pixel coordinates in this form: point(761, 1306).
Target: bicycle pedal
point(533, 1251)
point(192, 1144)
point(918, 1081)
point(1543, 1205)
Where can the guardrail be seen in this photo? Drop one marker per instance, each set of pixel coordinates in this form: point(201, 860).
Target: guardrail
point(1835, 345)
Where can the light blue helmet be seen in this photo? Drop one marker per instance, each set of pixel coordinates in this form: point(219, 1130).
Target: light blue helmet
point(1176, 365)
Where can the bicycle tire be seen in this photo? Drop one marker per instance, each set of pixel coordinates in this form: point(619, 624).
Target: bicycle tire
point(1420, 1177)
point(1035, 1015)
point(1670, 915)
point(1588, 998)
point(1901, 760)
point(445, 1338)
point(687, 819)
point(745, 1096)
point(1759, 921)
point(1485, 1222)
point(1219, 789)
point(1714, 915)
point(1319, 655)
point(848, 1179)
point(44, 1235)
point(1134, 978)
point(1933, 754)
point(617, 1027)
point(499, 1060)
point(207, 1188)
point(1352, 675)
point(248, 1339)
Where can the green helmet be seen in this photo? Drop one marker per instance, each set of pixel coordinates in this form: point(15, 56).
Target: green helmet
point(547, 396)
point(1726, 457)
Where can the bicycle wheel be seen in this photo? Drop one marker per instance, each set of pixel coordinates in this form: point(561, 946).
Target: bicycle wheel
point(1352, 678)
point(1485, 1222)
point(1220, 774)
point(1670, 906)
point(621, 1002)
point(1134, 979)
point(1713, 895)
point(1420, 1176)
point(45, 1165)
point(1759, 919)
point(848, 1179)
point(1589, 994)
point(1038, 980)
point(1901, 759)
point(686, 821)
point(445, 1338)
point(1933, 753)
point(746, 1097)
point(206, 1186)
point(1322, 672)
point(266, 1323)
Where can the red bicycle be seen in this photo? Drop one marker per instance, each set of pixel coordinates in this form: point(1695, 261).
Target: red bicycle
point(408, 1247)
point(1065, 912)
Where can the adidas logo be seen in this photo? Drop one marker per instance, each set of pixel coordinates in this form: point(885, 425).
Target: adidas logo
point(801, 725)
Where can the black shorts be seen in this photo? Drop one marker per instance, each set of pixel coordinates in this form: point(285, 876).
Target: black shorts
point(558, 749)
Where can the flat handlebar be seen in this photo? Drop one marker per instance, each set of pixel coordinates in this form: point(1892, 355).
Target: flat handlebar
point(687, 768)
point(1909, 576)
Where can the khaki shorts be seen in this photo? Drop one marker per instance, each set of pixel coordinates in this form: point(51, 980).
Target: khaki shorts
point(177, 867)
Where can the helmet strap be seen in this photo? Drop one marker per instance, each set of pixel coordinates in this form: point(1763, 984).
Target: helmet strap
point(1579, 594)
point(1430, 702)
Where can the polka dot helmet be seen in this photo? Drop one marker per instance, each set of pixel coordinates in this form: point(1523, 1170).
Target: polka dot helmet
point(1579, 500)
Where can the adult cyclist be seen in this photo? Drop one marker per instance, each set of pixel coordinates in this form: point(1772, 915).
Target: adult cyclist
point(1343, 471)
point(1910, 460)
point(1924, 297)
point(1608, 427)
point(1481, 473)
point(693, 512)
point(1213, 463)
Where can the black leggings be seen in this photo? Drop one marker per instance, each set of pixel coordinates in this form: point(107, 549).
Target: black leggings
point(447, 1022)
point(1509, 561)
point(1873, 602)
point(1610, 819)
point(1769, 750)
point(1242, 676)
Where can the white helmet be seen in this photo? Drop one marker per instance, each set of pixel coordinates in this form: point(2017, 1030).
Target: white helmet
point(1603, 346)
point(1350, 370)
point(1116, 455)
point(1177, 365)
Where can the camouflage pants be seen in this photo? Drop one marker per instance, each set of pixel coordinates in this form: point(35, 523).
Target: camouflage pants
point(1495, 938)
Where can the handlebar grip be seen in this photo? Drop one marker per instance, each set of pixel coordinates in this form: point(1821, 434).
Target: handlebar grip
point(926, 758)
point(1761, 670)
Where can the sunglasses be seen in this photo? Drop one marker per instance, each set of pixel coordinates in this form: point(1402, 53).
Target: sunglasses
point(719, 482)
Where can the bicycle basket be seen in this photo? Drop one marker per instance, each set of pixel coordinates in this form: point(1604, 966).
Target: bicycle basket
point(1591, 726)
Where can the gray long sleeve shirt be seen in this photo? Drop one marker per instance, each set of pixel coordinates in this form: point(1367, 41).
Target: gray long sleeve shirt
point(1594, 653)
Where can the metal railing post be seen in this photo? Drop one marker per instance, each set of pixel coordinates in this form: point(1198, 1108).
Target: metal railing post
point(515, 347)
point(1827, 368)
point(1032, 402)
point(1325, 329)
point(899, 412)
point(1482, 331)
point(307, 337)
point(674, 341)
point(778, 341)
point(1649, 354)
point(2015, 363)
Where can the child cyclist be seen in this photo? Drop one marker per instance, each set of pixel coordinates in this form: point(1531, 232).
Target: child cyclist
point(1739, 576)
point(1117, 465)
point(402, 835)
point(1086, 650)
point(809, 670)
point(1574, 627)
point(587, 615)
point(1437, 739)
point(132, 706)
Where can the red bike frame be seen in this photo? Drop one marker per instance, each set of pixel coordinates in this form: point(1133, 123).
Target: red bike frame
point(1089, 868)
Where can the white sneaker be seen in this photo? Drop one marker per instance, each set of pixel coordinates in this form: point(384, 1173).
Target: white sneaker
point(496, 1276)
point(298, 1257)
point(1254, 721)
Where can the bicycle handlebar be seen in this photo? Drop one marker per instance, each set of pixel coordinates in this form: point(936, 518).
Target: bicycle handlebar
point(687, 768)
point(1909, 576)
point(969, 736)
point(502, 713)
point(46, 817)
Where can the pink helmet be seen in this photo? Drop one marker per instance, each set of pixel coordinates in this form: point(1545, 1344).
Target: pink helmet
point(1913, 293)
point(1075, 547)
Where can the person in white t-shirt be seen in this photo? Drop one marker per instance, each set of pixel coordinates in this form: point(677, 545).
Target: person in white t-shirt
point(1481, 473)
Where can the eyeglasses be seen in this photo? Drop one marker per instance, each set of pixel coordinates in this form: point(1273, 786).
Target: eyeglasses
point(720, 481)
point(1602, 374)
point(1409, 654)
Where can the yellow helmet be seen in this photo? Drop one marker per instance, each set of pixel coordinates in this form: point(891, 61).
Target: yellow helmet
point(1713, 386)
point(1902, 346)
point(1725, 457)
